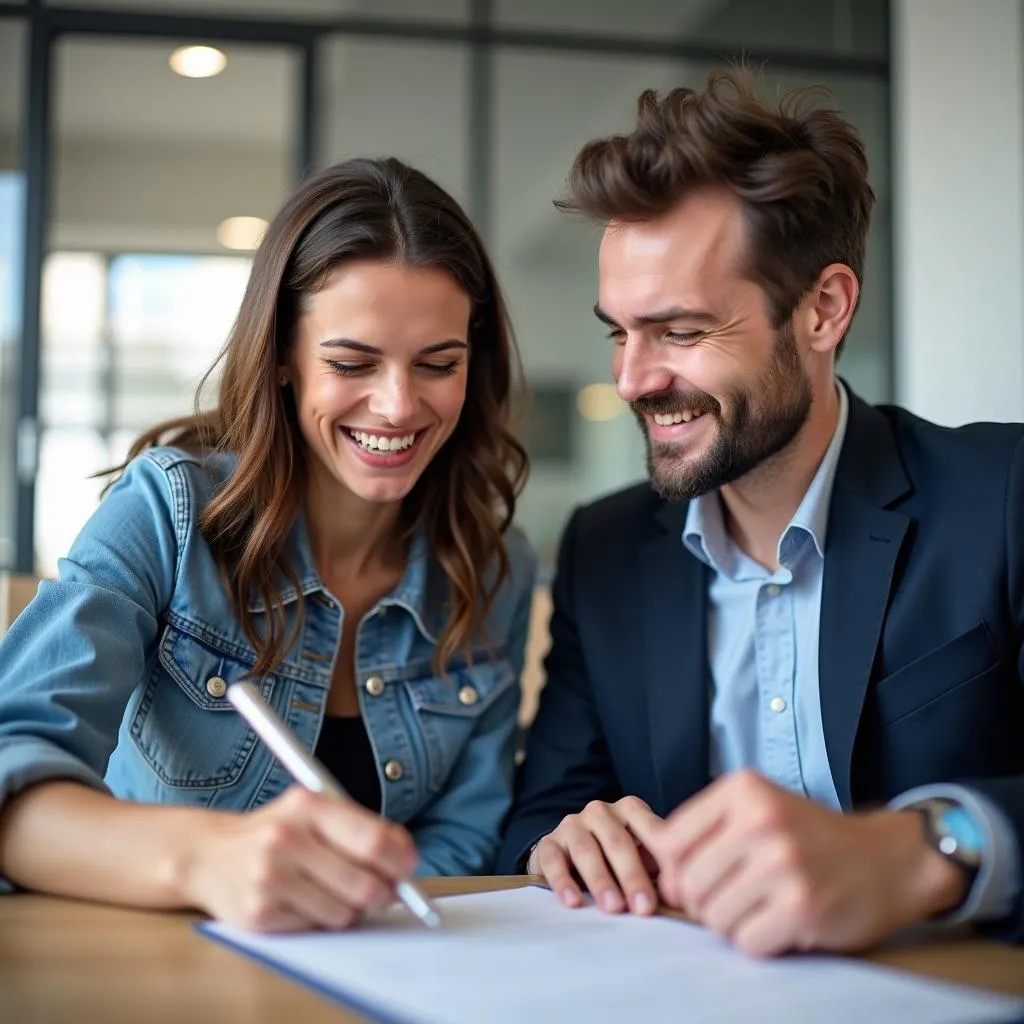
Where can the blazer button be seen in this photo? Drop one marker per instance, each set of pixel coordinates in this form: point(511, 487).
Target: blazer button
point(216, 687)
point(393, 771)
point(375, 686)
point(468, 696)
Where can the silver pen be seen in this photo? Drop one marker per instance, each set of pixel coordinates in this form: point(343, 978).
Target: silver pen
point(308, 772)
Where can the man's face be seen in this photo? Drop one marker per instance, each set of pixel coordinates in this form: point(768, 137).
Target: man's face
point(717, 390)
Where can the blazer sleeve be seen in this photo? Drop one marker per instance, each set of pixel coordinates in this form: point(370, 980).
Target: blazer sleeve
point(1007, 792)
point(567, 762)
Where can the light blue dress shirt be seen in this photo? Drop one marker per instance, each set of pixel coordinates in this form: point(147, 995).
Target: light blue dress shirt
point(763, 649)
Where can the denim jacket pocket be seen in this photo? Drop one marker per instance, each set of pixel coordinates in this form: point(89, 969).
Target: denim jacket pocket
point(185, 728)
point(448, 710)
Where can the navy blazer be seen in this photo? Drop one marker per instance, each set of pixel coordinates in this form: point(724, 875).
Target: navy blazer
point(920, 651)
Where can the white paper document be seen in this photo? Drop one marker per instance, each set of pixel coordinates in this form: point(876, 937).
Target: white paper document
point(518, 957)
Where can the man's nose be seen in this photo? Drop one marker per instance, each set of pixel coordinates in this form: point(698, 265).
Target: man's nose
point(638, 370)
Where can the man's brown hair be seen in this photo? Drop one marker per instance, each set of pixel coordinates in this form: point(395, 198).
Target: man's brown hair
point(800, 172)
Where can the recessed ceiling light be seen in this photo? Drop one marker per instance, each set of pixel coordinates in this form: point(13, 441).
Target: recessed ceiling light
point(599, 402)
point(198, 61)
point(243, 233)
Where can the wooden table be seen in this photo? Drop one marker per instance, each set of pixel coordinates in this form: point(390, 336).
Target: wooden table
point(66, 961)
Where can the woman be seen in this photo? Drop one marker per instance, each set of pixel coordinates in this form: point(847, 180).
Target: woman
point(338, 531)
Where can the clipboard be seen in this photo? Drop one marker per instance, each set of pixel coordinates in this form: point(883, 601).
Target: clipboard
point(517, 955)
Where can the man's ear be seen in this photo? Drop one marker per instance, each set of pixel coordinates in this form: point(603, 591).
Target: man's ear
point(829, 307)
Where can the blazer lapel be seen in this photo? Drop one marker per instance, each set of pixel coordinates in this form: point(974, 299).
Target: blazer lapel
point(861, 549)
point(674, 603)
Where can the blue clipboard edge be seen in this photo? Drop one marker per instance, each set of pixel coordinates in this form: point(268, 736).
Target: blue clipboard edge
point(335, 995)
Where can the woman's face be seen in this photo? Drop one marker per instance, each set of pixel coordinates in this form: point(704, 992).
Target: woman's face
point(378, 368)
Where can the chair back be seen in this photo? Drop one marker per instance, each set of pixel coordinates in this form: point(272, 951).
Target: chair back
point(538, 641)
point(16, 590)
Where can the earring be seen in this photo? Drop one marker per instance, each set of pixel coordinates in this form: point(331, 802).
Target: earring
point(282, 380)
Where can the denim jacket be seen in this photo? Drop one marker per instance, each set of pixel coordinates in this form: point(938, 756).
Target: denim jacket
point(114, 675)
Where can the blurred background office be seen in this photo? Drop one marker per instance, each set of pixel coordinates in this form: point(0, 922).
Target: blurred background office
point(143, 144)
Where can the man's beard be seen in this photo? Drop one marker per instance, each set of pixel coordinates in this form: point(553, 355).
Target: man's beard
point(764, 420)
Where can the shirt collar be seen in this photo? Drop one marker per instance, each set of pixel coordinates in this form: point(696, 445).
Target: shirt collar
point(812, 512)
point(704, 532)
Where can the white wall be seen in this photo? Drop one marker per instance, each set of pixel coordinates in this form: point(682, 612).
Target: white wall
point(958, 128)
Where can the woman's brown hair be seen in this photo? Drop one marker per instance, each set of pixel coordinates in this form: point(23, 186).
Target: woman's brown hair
point(465, 500)
point(800, 171)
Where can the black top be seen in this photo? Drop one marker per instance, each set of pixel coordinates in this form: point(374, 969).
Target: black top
point(344, 750)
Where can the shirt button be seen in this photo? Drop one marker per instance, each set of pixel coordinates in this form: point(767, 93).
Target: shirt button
point(382, 611)
point(393, 771)
point(216, 687)
point(375, 686)
point(468, 696)
point(773, 591)
point(777, 704)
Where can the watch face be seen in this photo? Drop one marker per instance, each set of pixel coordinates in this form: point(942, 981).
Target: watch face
point(956, 824)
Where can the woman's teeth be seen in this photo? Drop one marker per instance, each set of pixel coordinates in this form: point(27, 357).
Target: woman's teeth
point(375, 443)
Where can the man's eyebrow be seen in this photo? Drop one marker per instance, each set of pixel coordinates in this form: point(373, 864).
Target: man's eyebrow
point(659, 316)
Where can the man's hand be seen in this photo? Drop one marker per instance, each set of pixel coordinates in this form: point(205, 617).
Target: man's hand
point(601, 845)
point(774, 872)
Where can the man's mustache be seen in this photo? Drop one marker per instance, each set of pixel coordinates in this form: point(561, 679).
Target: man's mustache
point(667, 402)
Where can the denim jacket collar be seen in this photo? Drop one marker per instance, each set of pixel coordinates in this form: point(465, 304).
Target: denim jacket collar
point(420, 592)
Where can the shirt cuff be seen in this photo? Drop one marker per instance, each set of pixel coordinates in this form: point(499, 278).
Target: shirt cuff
point(998, 883)
point(523, 863)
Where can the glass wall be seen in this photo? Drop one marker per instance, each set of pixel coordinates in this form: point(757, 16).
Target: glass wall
point(839, 27)
point(396, 98)
point(546, 105)
point(140, 290)
point(142, 283)
point(127, 340)
point(12, 218)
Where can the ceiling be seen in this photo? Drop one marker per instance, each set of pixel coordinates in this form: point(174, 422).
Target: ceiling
point(120, 90)
point(291, 10)
point(117, 98)
point(109, 89)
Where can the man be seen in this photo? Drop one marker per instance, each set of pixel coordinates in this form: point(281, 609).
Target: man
point(814, 608)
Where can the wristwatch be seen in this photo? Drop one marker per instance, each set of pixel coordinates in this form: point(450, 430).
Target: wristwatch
point(954, 832)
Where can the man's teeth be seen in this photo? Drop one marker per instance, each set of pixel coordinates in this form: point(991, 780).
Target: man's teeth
point(668, 419)
point(373, 443)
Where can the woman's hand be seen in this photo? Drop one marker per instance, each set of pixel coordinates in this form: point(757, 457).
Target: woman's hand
point(303, 861)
